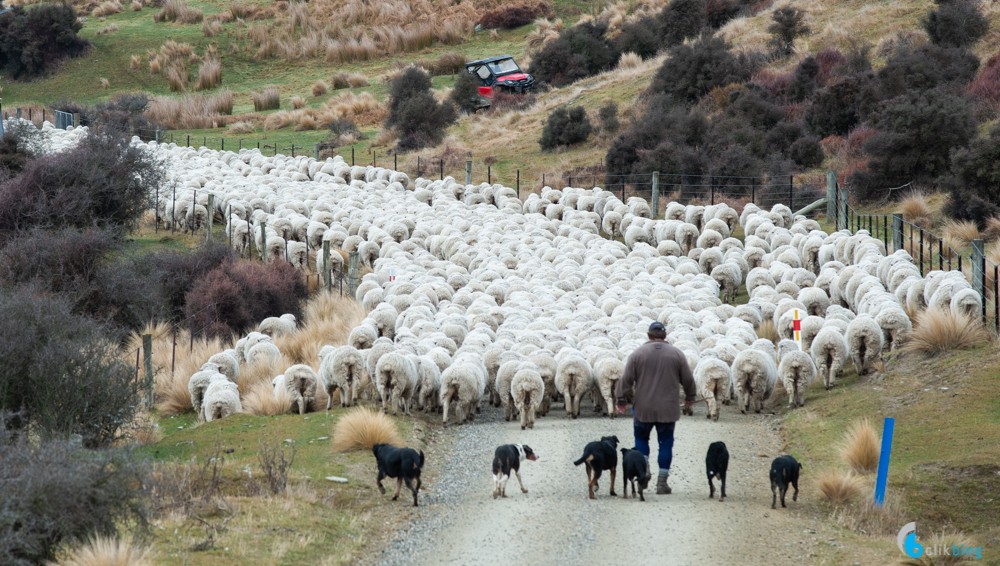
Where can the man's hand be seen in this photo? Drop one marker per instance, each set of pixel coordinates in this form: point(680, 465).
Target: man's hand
point(620, 408)
point(688, 407)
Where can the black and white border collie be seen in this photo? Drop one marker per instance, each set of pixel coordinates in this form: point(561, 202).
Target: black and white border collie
point(506, 458)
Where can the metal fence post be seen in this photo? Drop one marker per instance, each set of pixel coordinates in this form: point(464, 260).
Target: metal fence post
point(518, 183)
point(842, 220)
point(147, 351)
point(326, 264)
point(263, 240)
point(978, 271)
point(831, 194)
point(211, 216)
point(791, 195)
point(316, 151)
point(352, 272)
point(897, 231)
point(655, 197)
point(468, 172)
point(753, 190)
point(441, 168)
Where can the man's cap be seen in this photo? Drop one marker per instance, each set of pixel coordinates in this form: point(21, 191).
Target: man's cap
point(657, 326)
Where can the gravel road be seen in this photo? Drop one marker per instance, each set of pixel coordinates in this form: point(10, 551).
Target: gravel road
point(554, 523)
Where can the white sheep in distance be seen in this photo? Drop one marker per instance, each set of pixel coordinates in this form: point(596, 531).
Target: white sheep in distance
point(428, 383)
point(342, 369)
point(198, 383)
point(301, 382)
point(796, 370)
point(754, 376)
point(463, 383)
point(263, 352)
point(527, 390)
point(714, 380)
point(222, 398)
point(607, 371)
point(574, 378)
point(864, 341)
point(505, 373)
point(395, 381)
point(829, 351)
point(546, 365)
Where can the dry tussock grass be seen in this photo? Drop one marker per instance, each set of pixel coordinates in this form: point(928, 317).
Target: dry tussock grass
point(193, 111)
point(242, 127)
point(937, 331)
point(840, 488)
point(545, 31)
point(862, 516)
point(362, 109)
point(329, 318)
point(107, 551)
point(261, 400)
point(768, 330)
point(943, 540)
point(319, 88)
point(112, 28)
point(211, 27)
point(262, 372)
point(297, 102)
point(178, 11)
point(209, 75)
point(362, 428)
point(143, 430)
point(960, 233)
point(860, 447)
point(915, 208)
point(267, 99)
point(992, 229)
point(134, 63)
point(348, 80)
point(629, 61)
point(107, 8)
point(136, 5)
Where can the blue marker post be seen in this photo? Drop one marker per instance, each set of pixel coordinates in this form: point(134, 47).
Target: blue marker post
point(883, 461)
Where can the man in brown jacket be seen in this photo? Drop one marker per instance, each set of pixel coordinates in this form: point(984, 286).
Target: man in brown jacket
point(657, 371)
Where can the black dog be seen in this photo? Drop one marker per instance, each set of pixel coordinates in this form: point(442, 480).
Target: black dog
point(507, 458)
point(635, 469)
point(784, 471)
point(599, 456)
point(404, 464)
point(716, 464)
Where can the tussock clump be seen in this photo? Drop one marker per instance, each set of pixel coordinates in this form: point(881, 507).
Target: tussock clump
point(242, 127)
point(267, 99)
point(865, 518)
point(107, 8)
point(860, 447)
point(135, 62)
point(915, 208)
point(209, 75)
point(937, 331)
point(112, 28)
point(447, 64)
point(992, 229)
point(105, 83)
point(178, 11)
point(348, 80)
point(319, 88)
point(107, 551)
point(191, 111)
point(629, 61)
point(297, 102)
point(211, 28)
point(363, 428)
point(959, 234)
point(328, 319)
point(262, 400)
point(136, 5)
point(768, 330)
point(840, 488)
point(545, 32)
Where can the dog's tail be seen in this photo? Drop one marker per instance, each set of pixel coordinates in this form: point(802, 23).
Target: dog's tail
point(587, 456)
point(420, 461)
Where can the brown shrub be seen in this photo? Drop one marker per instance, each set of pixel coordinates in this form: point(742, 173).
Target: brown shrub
point(191, 112)
point(178, 11)
point(938, 331)
point(914, 207)
point(267, 99)
point(209, 75)
point(319, 88)
point(511, 16)
point(840, 488)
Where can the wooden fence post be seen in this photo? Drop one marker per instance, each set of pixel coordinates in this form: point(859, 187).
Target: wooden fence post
point(263, 240)
point(211, 216)
point(831, 194)
point(897, 231)
point(656, 194)
point(147, 350)
point(842, 220)
point(978, 271)
point(326, 264)
point(352, 272)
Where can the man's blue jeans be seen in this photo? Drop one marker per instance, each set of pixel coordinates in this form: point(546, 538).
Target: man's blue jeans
point(664, 436)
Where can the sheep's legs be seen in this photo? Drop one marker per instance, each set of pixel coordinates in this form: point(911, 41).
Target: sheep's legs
point(445, 406)
point(713, 406)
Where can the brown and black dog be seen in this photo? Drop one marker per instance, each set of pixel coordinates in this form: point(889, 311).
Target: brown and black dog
point(403, 464)
point(599, 456)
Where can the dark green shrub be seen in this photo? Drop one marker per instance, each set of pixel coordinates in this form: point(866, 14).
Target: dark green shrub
point(661, 123)
point(806, 152)
point(639, 37)
point(787, 24)
point(235, 297)
point(841, 106)
point(607, 116)
point(419, 119)
point(176, 272)
point(692, 70)
point(976, 169)
point(752, 106)
point(104, 181)
point(916, 134)
point(804, 79)
point(123, 114)
point(565, 127)
point(924, 68)
point(59, 372)
point(579, 51)
point(956, 23)
point(781, 136)
point(719, 12)
point(681, 20)
point(966, 204)
point(34, 40)
point(464, 94)
point(55, 492)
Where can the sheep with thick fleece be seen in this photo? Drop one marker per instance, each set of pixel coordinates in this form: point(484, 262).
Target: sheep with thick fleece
point(301, 382)
point(222, 398)
point(815, 300)
point(244, 344)
point(198, 383)
point(343, 369)
point(428, 383)
point(607, 371)
point(864, 341)
point(966, 302)
point(713, 378)
point(895, 325)
point(263, 352)
point(395, 381)
point(511, 362)
point(228, 363)
point(527, 390)
point(462, 384)
point(830, 353)
point(363, 336)
point(729, 277)
point(754, 376)
point(275, 326)
point(547, 369)
point(796, 370)
point(574, 378)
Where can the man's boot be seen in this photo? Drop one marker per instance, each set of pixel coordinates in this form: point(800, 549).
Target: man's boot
point(661, 485)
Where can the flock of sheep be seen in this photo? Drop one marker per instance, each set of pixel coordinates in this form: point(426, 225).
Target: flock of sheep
point(477, 297)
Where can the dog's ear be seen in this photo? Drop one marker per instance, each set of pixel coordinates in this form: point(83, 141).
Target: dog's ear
point(624, 451)
point(615, 439)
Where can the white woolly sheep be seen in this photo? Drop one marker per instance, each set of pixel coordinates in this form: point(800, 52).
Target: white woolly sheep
point(729, 277)
point(713, 378)
point(547, 369)
point(754, 376)
point(301, 382)
point(864, 342)
point(342, 369)
point(395, 381)
point(895, 325)
point(228, 363)
point(263, 352)
point(511, 363)
point(428, 383)
point(796, 370)
point(198, 383)
point(829, 352)
point(574, 378)
point(463, 383)
point(607, 371)
point(527, 390)
point(222, 398)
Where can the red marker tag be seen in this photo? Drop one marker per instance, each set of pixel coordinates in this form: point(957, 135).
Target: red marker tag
point(796, 325)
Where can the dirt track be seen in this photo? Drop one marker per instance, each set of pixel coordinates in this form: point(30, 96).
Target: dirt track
point(555, 523)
